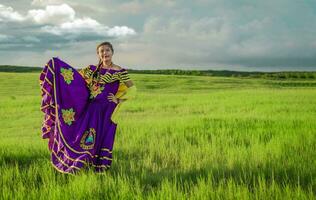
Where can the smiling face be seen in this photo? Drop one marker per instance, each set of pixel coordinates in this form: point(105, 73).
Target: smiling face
point(105, 53)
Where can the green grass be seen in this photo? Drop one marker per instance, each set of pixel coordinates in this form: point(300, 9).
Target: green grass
point(184, 137)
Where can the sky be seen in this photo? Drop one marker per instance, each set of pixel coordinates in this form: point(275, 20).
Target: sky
point(241, 35)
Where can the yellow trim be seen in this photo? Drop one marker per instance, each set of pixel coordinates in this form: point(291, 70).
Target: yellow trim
point(105, 158)
point(60, 169)
point(46, 132)
point(46, 91)
point(78, 160)
point(48, 118)
point(73, 160)
point(102, 157)
point(48, 81)
point(106, 166)
point(51, 70)
point(43, 72)
point(47, 127)
point(105, 149)
point(45, 106)
point(62, 162)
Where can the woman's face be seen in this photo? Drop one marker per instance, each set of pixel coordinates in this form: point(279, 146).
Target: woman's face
point(105, 53)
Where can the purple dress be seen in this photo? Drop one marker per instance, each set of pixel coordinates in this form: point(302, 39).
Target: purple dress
point(77, 118)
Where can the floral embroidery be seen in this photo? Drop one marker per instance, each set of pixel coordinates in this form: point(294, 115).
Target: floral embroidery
point(68, 75)
point(88, 139)
point(86, 72)
point(68, 115)
point(95, 89)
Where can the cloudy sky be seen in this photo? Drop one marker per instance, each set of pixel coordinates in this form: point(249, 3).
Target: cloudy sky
point(263, 35)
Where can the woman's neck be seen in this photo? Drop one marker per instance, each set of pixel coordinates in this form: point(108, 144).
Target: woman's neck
point(107, 64)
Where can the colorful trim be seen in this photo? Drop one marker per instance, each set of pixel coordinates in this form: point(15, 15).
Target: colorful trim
point(63, 162)
point(75, 160)
point(51, 70)
point(48, 81)
point(64, 153)
point(61, 171)
point(46, 91)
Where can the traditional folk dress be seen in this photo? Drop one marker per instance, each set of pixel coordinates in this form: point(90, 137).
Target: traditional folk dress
point(79, 120)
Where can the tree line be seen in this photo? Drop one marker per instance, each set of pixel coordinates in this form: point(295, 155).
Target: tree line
point(223, 73)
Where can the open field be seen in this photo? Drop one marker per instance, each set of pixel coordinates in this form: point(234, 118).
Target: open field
point(197, 137)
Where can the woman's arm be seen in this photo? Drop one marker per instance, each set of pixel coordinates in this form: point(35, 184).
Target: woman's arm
point(129, 83)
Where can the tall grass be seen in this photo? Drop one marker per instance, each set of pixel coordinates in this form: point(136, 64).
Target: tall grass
point(184, 137)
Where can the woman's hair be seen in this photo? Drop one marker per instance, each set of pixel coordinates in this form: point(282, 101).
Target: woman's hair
point(101, 44)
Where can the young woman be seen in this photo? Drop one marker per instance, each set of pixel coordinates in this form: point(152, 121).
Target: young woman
point(80, 110)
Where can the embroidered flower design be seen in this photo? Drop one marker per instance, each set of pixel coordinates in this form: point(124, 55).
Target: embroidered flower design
point(68, 115)
point(95, 89)
point(68, 75)
point(88, 139)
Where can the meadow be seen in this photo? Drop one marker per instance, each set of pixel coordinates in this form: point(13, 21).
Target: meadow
point(183, 137)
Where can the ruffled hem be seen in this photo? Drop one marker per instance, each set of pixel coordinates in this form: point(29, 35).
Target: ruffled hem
point(48, 105)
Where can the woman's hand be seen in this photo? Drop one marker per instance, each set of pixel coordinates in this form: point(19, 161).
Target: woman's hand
point(113, 98)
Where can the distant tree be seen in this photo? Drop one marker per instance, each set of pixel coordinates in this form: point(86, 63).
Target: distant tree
point(281, 76)
point(302, 75)
point(293, 75)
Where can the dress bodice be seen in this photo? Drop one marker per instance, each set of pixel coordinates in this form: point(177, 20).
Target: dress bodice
point(103, 81)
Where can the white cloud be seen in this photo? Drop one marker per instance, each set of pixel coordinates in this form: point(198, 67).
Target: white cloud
point(46, 2)
point(76, 27)
point(120, 31)
point(8, 14)
point(61, 20)
point(52, 14)
point(64, 20)
point(87, 26)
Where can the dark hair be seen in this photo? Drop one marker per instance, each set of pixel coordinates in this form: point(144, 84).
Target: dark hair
point(101, 44)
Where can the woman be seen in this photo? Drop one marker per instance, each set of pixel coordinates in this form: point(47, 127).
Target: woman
point(81, 110)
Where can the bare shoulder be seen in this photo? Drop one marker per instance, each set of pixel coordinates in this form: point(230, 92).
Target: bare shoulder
point(117, 67)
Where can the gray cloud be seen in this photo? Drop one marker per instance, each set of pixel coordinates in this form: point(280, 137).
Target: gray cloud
point(233, 35)
point(204, 34)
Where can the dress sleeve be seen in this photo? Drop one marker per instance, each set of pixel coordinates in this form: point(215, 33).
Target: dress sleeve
point(124, 76)
point(86, 73)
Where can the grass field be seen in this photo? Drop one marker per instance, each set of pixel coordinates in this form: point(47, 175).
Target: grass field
point(184, 137)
